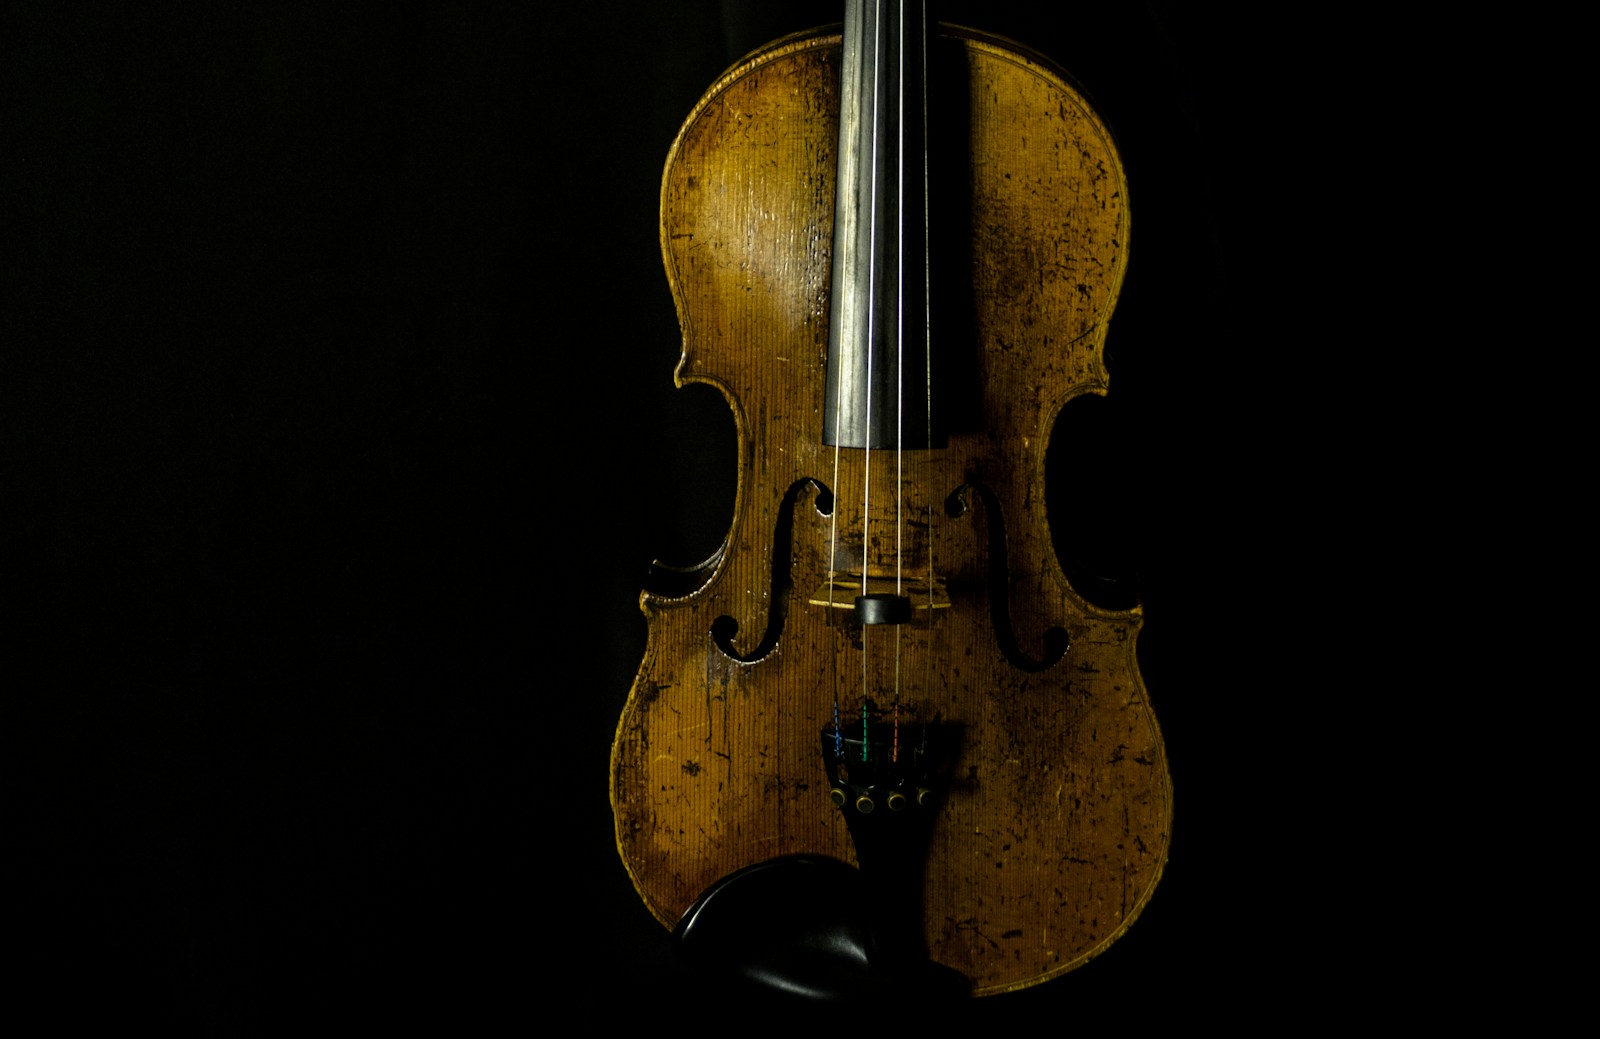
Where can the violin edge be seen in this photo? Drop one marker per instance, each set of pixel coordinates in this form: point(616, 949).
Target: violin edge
point(1094, 378)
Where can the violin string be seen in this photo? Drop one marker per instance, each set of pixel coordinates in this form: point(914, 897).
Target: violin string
point(900, 298)
point(867, 37)
point(925, 679)
point(852, 50)
point(839, 425)
point(900, 348)
point(874, 282)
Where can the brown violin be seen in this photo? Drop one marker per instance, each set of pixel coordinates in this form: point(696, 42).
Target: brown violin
point(895, 248)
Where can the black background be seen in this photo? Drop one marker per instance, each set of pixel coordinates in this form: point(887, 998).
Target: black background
point(339, 431)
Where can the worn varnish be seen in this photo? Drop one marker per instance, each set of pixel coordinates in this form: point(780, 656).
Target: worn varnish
point(1054, 828)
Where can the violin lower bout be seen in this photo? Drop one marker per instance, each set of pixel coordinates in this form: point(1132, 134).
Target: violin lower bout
point(1050, 834)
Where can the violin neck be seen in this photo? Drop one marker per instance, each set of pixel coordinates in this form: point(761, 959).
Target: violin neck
point(879, 376)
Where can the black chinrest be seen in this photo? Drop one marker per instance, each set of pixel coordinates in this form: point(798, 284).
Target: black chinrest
point(801, 927)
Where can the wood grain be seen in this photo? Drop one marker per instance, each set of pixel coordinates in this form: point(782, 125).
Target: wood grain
point(1055, 828)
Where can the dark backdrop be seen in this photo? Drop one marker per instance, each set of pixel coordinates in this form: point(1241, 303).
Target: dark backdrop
point(339, 431)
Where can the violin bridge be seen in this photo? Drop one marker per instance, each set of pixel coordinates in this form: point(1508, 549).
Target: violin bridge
point(841, 590)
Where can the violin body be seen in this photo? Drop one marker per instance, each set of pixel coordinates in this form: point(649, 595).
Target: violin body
point(1052, 824)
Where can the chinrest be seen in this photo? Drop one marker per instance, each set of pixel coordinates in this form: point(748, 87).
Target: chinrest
point(801, 927)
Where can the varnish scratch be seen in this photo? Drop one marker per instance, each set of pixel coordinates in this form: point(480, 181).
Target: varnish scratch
point(682, 730)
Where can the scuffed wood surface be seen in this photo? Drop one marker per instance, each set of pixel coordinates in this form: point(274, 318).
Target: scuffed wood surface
point(1055, 828)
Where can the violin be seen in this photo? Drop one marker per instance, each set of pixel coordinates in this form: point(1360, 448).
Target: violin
point(894, 248)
